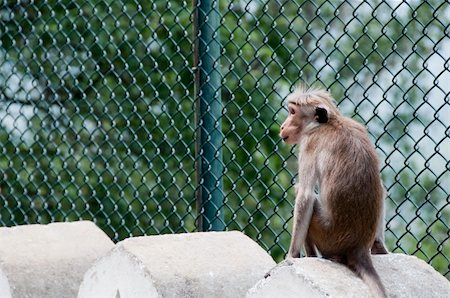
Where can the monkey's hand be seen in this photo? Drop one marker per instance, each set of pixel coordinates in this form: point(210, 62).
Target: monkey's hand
point(287, 262)
point(293, 252)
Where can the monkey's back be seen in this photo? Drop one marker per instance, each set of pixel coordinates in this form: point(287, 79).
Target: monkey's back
point(351, 192)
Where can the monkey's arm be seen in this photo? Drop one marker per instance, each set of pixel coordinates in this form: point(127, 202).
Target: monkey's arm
point(303, 209)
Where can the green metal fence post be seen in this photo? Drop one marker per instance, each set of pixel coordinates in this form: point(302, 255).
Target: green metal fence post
point(209, 112)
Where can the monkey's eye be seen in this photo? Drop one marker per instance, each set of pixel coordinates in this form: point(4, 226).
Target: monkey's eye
point(291, 111)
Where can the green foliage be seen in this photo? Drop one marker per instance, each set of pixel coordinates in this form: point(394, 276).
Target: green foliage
point(113, 128)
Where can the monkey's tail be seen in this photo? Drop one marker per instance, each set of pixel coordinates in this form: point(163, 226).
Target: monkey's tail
point(362, 265)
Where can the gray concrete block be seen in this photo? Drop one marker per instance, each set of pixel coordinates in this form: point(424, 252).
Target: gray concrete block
point(402, 275)
point(48, 261)
point(212, 264)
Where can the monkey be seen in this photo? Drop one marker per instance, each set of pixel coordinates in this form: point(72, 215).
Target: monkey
point(344, 221)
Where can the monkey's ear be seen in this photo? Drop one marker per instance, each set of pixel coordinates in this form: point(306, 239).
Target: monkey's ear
point(321, 115)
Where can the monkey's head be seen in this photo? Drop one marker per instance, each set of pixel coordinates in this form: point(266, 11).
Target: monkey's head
point(307, 109)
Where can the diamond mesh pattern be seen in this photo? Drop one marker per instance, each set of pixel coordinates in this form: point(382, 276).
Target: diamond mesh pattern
point(97, 106)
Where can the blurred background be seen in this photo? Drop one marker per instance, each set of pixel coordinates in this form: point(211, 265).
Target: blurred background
point(98, 114)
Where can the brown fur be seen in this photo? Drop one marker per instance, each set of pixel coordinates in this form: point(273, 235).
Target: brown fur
point(345, 222)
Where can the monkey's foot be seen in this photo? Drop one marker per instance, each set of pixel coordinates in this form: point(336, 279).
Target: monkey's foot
point(378, 248)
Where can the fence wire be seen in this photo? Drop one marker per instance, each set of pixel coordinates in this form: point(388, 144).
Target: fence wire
point(98, 114)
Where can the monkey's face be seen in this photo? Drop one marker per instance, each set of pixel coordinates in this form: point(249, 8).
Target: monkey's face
point(292, 128)
point(302, 118)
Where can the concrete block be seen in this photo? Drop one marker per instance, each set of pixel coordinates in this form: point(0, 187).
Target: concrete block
point(212, 264)
point(48, 261)
point(402, 275)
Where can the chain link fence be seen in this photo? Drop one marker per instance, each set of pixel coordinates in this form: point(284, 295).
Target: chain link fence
point(100, 116)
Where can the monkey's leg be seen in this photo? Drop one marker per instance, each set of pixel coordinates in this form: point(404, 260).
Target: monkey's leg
point(310, 248)
point(378, 247)
point(322, 234)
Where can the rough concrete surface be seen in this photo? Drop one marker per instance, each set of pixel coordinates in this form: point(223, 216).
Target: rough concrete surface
point(212, 264)
point(48, 261)
point(402, 275)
